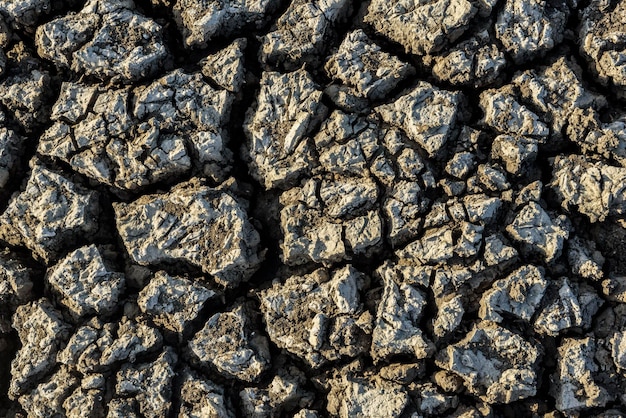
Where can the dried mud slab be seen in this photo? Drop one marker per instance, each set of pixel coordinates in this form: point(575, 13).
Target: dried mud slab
point(194, 224)
point(312, 208)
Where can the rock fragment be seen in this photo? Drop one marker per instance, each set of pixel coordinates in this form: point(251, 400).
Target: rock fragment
point(516, 153)
point(173, 302)
point(397, 328)
point(201, 397)
point(50, 213)
point(284, 394)
point(539, 233)
point(24, 14)
point(475, 62)
point(89, 42)
point(518, 294)
point(566, 305)
point(427, 114)
point(86, 283)
point(48, 399)
point(172, 124)
point(133, 340)
point(449, 315)
point(195, 224)
point(430, 401)
point(201, 21)
point(602, 42)
point(96, 346)
point(584, 260)
point(421, 28)
point(226, 67)
point(26, 89)
point(229, 343)
point(504, 113)
point(303, 32)
point(287, 110)
point(575, 388)
point(319, 317)
point(149, 383)
point(11, 149)
point(496, 365)
point(363, 72)
point(41, 330)
point(557, 92)
point(592, 188)
point(529, 29)
point(351, 396)
point(16, 285)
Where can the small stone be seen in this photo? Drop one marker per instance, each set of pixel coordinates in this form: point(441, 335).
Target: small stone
point(284, 394)
point(173, 302)
point(515, 152)
point(364, 70)
point(16, 285)
point(309, 236)
point(421, 28)
point(584, 260)
point(26, 90)
point(47, 399)
point(202, 226)
point(488, 179)
point(404, 207)
point(307, 413)
point(149, 383)
point(575, 387)
point(201, 21)
point(303, 32)
point(318, 317)
point(529, 29)
point(85, 283)
point(427, 114)
point(42, 332)
point(519, 294)
point(431, 401)
point(201, 397)
point(230, 343)
point(24, 14)
point(566, 306)
point(226, 67)
point(364, 234)
point(355, 396)
point(397, 328)
point(449, 316)
point(475, 62)
point(123, 408)
point(448, 381)
point(402, 374)
point(461, 165)
point(557, 92)
point(497, 253)
point(50, 213)
point(277, 126)
point(11, 149)
point(89, 43)
point(594, 189)
point(134, 339)
point(538, 232)
point(601, 42)
point(84, 401)
point(503, 112)
point(497, 365)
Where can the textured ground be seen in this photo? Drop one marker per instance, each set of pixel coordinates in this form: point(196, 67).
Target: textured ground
point(273, 208)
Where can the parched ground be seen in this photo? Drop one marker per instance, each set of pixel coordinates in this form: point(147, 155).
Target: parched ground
point(274, 208)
